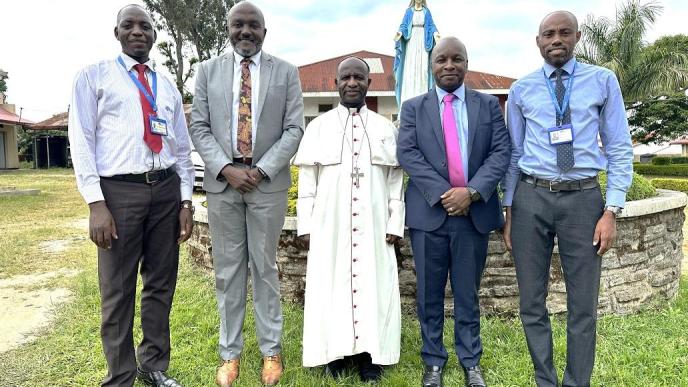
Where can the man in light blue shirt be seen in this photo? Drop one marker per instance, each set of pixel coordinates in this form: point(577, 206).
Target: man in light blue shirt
point(554, 116)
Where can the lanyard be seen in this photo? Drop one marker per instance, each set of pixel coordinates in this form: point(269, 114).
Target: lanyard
point(151, 99)
point(567, 95)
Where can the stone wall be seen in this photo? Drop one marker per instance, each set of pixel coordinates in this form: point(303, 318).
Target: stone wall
point(642, 269)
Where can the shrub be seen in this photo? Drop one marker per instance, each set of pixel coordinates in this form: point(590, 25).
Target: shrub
point(661, 160)
point(679, 160)
point(662, 170)
point(672, 184)
point(293, 193)
point(641, 188)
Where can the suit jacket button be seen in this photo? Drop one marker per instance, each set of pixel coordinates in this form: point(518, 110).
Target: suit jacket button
point(444, 163)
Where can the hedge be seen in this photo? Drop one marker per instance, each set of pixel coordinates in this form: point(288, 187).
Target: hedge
point(662, 160)
point(662, 170)
point(672, 184)
point(641, 188)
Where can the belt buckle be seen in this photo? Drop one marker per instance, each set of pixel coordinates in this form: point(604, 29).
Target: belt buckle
point(550, 186)
point(150, 181)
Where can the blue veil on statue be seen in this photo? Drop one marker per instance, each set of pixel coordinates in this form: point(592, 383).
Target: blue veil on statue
point(413, 44)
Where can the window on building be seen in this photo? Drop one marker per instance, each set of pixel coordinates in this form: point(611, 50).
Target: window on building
point(308, 119)
point(322, 108)
point(395, 117)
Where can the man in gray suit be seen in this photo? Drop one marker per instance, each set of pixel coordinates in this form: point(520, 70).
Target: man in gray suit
point(246, 123)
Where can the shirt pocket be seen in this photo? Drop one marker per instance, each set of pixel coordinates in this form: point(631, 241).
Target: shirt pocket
point(384, 151)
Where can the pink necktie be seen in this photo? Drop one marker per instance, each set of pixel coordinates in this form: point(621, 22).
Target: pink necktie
point(451, 141)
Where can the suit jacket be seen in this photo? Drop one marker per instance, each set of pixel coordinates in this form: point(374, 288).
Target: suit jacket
point(279, 127)
point(421, 152)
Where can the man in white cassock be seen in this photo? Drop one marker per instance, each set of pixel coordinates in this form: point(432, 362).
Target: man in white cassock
point(351, 212)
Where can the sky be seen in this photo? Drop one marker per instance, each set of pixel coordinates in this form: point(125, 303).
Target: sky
point(45, 42)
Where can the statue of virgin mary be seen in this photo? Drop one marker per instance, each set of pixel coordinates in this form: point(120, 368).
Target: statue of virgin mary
point(414, 41)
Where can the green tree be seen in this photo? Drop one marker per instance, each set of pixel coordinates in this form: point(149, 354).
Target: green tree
point(198, 31)
point(642, 69)
point(659, 119)
point(3, 85)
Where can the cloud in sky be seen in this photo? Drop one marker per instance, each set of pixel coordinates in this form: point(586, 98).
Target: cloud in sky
point(47, 42)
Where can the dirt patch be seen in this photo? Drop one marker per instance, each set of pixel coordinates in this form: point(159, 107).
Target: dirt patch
point(27, 308)
point(58, 245)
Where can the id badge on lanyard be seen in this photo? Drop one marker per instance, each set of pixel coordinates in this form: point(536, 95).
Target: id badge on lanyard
point(157, 125)
point(560, 134)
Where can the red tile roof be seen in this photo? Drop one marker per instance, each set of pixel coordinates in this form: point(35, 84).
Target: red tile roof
point(680, 141)
point(319, 76)
point(11, 118)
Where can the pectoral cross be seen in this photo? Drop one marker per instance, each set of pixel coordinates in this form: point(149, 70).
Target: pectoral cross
point(356, 176)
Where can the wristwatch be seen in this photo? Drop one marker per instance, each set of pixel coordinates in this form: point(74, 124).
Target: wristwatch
point(616, 210)
point(189, 205)
point(475, 195)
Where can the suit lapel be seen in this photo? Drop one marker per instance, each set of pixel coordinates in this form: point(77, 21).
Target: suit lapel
point(228, 80)
point(473, 110)
point(265, 72)
point(432, 109)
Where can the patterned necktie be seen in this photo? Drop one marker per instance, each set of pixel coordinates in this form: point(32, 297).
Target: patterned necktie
point(451, 141)
point(564, 151)
point(154, 141)
point(244, 124)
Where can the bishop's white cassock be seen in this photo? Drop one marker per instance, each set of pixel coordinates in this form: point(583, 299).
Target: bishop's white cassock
point(352, 286)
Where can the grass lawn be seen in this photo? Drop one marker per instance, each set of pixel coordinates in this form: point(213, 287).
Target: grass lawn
point(649, 349)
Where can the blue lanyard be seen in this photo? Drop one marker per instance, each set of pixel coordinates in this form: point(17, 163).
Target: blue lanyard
point(151, 99)
point(567, 95)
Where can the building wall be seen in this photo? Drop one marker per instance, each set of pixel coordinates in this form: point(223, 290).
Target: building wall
point(386, 105)
point(11, 153)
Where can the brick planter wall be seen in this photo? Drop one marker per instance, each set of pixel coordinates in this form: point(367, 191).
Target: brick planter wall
point(642, 269)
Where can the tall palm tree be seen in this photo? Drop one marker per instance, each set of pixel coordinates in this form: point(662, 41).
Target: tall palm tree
point(642, 69)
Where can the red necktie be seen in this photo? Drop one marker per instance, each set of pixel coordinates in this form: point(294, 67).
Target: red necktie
point(154, 141)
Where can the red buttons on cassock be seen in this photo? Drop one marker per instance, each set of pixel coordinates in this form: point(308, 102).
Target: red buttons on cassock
point(355, 244)
point(355, 306)
point(355, 139)
point(356, 337)
point(355, 153)
point(355, 260)
point(355, 199)
point(355, 290)
point(355, 229)
point(355, 322)
point(354, 275)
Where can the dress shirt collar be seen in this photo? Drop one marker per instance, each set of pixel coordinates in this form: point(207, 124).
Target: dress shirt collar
point(460, 93)
point(568, 66)
point(131, 62)
point(255, 58)
point(343, 110)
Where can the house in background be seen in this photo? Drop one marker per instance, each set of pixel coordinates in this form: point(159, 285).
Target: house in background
point(10, 123)
point(50, 142)
point(320, 93)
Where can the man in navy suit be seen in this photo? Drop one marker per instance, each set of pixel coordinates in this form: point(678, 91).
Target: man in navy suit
point(454, 146)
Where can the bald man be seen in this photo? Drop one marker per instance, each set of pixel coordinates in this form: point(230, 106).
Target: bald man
point(351, 209)
point(455, 148)
point(555, 115)
point(131, 154)
point(246, 123)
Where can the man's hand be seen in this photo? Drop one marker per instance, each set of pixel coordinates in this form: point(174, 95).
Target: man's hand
point(255, 175)
point(239, 179)
point(101, 225)
point(185, 225)
point(605, 232)
point(456, 201)
point(306, 241)
point(392, 239)
point(506, 232)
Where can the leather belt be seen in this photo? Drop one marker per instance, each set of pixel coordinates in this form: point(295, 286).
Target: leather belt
point(150, 177)
point(243, 160)
point(564, 185)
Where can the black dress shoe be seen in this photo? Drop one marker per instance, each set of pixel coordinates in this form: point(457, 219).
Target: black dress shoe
point(156, 379)
point(432, 377)
point(336, 368)
point(474, 376)
point(368, 371)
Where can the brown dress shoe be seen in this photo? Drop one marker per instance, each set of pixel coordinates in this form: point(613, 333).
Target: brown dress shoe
point(227, 373)
point(272, 370)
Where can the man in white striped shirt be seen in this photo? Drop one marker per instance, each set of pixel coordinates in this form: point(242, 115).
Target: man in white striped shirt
point(131, 155)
